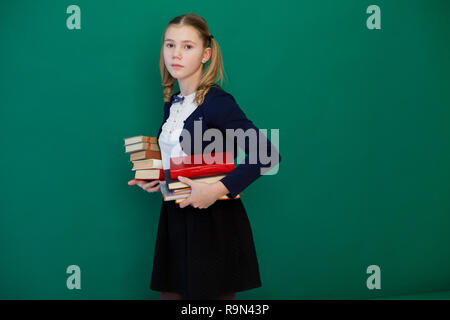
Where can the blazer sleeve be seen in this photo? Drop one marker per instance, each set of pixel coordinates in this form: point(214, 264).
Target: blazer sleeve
point(224, 113)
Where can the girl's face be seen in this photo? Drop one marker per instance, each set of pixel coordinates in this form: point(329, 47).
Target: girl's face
point(183, 51)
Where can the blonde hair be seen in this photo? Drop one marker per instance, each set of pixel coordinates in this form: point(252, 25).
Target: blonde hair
point(213, 73)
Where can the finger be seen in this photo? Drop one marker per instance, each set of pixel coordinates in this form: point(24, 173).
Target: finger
point(151, 183)
point(185, 180)
point(186, 202)
point(152, 189)
point(135, 181)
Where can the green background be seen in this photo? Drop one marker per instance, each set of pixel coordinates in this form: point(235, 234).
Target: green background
point(363, 116)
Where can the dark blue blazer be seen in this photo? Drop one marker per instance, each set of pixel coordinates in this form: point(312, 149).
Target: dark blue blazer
point(220, 110)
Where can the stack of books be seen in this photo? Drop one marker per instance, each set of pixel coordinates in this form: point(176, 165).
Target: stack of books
point(146, 157)
point(207, 168)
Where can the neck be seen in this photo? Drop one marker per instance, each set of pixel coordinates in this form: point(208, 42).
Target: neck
point(190, 84)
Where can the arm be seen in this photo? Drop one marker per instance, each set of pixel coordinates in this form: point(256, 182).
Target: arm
point(224, 113)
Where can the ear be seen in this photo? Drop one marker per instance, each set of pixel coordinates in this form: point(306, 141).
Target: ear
point(207, 54)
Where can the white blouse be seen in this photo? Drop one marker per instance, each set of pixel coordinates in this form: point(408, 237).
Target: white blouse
point(171, 130)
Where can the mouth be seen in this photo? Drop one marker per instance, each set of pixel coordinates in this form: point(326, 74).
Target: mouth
point(177, 66)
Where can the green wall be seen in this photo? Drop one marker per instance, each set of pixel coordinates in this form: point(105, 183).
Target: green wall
point(363, 116)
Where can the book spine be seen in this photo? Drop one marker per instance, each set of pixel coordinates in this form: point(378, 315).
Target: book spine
point(161, 175)
point(151, 146)
point(149, 139)
point(201, 159)
point(141, 146)
point(138, 174)
point(138, 139)
point(176, 184)
point(221, 198)
point(153, 164)
point(147, 154)
point(201, 171)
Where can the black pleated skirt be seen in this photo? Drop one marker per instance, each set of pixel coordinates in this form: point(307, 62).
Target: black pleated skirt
point(204, 253)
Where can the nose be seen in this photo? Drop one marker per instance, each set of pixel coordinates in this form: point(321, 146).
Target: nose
point(177, 53)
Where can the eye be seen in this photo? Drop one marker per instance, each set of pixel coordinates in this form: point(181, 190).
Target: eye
point(170, 45)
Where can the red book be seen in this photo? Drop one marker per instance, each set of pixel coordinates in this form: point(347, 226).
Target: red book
point(201, 165)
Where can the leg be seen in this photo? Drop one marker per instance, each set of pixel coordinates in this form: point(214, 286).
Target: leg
point(228, 296)
point(171, 296)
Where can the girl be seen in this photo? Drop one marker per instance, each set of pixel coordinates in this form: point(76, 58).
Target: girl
point(204, 247)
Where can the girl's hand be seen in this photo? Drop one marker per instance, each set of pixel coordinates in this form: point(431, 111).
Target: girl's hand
point(202, 194)
point(151, 186)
